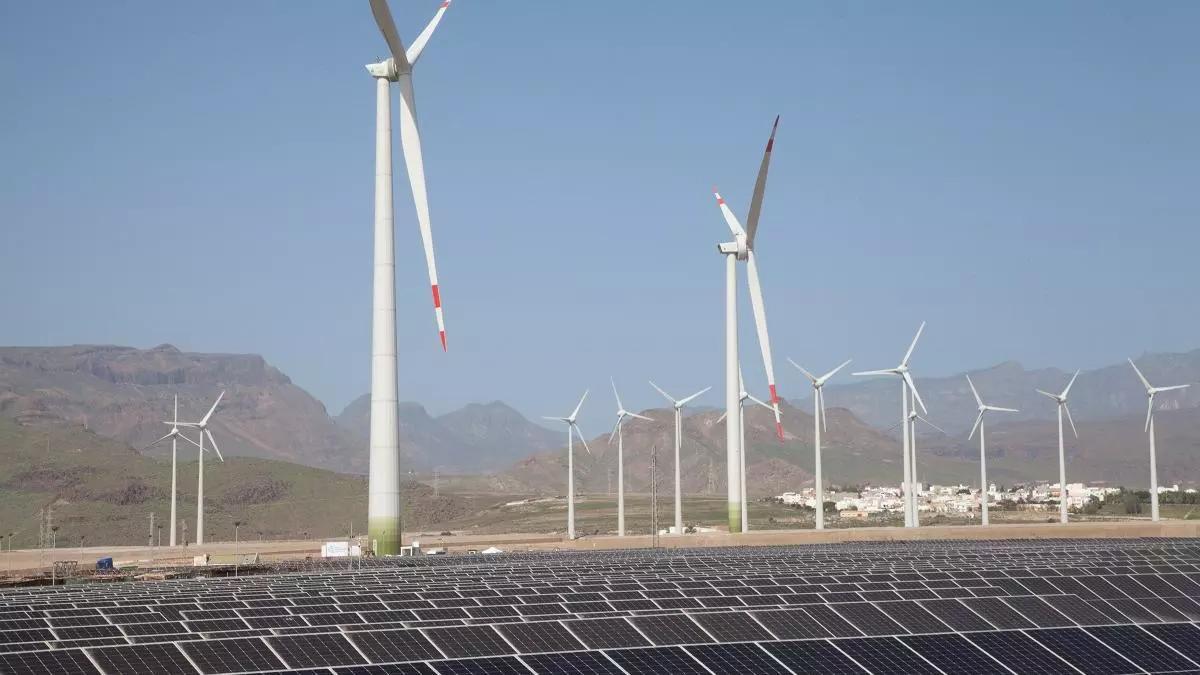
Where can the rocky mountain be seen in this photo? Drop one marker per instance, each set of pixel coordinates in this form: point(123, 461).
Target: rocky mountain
point(478, 437)
point(125, 393)
point(1114, 451)
point(1103, 394)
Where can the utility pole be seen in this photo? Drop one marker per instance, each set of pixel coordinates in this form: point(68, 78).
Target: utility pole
point(435, 482)
point(654, 496)
point(150, 541)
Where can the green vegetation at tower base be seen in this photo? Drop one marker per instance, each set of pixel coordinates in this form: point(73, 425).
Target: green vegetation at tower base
point(735, 517)
point(384, 534)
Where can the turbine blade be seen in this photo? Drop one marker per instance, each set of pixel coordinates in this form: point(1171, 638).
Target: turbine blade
point(191, 441)
point(997, 409)
point(176, 417)
point(764, 340)
point(741, 381)
point(1149, 411)
point(824, 415)
point(931, 424)
point(1159, 390)
point(1047, 394)
point(579, 433)
point(580, 404)
point(614, 431)
point(410, 142)
point(640, 417)
point(911, 347)
point(721, 418)
point(692, 397)
point(978, 419)
point(799, 367)
point(912, 386)
point(418, 45)
point(760, 186)
point(213, 408)
point(730, 219)
point(974, 391)
point(763, 404)
point(556, 419)
point(665, 394)
point(1073, 429)
point(826, 376)
point(1145, 382)
point(214, 444)
point(158, 441)
point(383, 19)
point(614, 386)
point(1070, 384)
point(889, 371)
point(897, 424)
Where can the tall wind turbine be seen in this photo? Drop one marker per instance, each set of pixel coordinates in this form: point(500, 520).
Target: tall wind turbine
point(742, 248)
point(572, 428)
point(1150, 393)
point(819, 424)
point(744, 396)
point(174, 434)
point(913, 417)
point(622, 413)
point(202, 427)
point(383, 505)
point(678, 405)
point(983, 484)
point(1061, 400)
point(906, 385)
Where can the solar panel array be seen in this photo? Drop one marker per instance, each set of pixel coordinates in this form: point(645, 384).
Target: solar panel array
point(1051, 606)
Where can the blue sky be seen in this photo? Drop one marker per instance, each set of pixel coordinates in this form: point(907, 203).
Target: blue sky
point(1021, 175)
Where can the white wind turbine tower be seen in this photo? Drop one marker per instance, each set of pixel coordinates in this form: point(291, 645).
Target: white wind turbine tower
point(983, 408)
point(622, 413)
point(744, 396)
point(572, 427)
point(383, 507)
point(742, 248)
point(906, 385)
point(913, 416)
point(1061, 400)
point(202, 427)
point(678, 440)
point(174, 434)
point(1150, 393)
point(819, 424)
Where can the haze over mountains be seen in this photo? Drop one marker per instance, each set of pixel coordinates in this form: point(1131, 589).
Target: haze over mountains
point(124, 393)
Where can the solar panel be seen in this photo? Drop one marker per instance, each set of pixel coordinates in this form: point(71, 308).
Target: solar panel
point(63, 662)
point(606, 633)
point(231, 656)
point(737, 658)
point(657, 660)
point(382, 646)
point(791, 624)
point(997, 612)
point(732, 626)
point(504, 665)
point(571, 663)
point(830, 621)
point(1037, 611)
point(869, 619)
point(152, 659)
point(390, 669)
point(1182, 637)
point(813, 656)
point(954, 654)
point(670, 629)
point(885, 656)
point(309, 651)
point(1077, 647)
point(468, 641)
point(1141, 648)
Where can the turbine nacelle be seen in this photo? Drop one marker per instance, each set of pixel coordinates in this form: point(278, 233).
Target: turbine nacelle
point(385, 69)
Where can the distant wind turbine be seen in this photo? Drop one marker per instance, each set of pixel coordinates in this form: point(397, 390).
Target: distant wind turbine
point(174, 434)
point(1061, 400)
point(983, 408)
point(906, 384)
point(622, 413)
point(1150, 394)
point(572, 429)
point(678, 404)
point(913, 418)
point(820, 423)
point(202, 427)
point(744, 396)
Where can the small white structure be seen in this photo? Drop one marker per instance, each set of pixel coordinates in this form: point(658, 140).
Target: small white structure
point(491, 550)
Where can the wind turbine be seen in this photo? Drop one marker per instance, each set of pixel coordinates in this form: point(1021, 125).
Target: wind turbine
point(202, 427)
point(742, 248)
point(572, 426)
point(819, 423)
point(174, 434)
point(743, 396)
point(383, 506)
point(913, 416)
point(983, 484)
point(1061, 400)
point(906, 384)
point(622, 413)
point(1150, 392)
point(678, 440)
